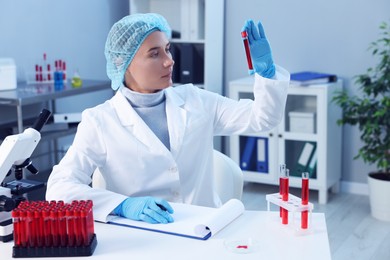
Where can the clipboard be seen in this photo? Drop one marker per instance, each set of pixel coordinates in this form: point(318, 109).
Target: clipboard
point(190, 221)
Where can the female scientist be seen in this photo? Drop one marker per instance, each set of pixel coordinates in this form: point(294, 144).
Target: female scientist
point(152, 142)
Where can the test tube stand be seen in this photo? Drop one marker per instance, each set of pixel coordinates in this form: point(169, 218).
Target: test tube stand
point(60, 251)
point(293, 204)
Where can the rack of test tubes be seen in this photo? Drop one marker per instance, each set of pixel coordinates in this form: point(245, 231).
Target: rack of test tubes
point(53, 229)
point(45, 73)
point(290, 203)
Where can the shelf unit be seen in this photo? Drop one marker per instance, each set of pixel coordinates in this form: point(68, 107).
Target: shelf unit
point(286, 146)
point(47, 152)
point(199, 23)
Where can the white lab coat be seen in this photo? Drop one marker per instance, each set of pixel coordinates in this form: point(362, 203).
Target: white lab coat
point(134, 162)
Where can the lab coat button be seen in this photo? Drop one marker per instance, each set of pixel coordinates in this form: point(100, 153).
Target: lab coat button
point(173, 169)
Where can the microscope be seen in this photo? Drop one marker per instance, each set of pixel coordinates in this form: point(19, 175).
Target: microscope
point(15, 152)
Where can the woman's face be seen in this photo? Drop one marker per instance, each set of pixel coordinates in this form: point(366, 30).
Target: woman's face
point(151, 67)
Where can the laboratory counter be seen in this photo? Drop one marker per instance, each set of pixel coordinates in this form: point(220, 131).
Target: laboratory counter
point(260, 231)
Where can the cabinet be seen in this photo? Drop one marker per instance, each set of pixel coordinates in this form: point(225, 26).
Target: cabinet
point(198, 29)
point(310, 118)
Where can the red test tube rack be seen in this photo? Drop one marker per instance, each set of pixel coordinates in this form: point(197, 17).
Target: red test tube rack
point(290, 203)
point(293, 204)
point(53, 229)
point(46, 73)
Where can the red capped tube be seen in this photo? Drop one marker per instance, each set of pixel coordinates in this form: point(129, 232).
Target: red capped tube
point(285, 191)
point(305, 199)
point(244, 36)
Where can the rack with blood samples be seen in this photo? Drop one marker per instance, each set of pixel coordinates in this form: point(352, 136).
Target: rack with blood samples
point(52, 229)
point(290, 203)
point(45, 74)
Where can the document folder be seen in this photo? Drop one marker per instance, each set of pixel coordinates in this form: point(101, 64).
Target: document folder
point(307, 78)
point(262, 154)
point(313, 165)
point(248, 153)
point(304, 159)
point(190, 221)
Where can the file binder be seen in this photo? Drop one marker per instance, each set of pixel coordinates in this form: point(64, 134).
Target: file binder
point(247, 154)
point(306, 78)
point(304, 159)
point(175, 51)
point(313, 165)
point(262, 154)
point(191, 63)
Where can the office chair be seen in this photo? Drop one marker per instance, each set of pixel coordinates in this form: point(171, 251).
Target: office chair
point(228, 178)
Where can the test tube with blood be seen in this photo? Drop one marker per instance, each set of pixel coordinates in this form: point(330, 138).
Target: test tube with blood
point(48, 72)
point(16, 225)
point(90, 223)
point(40, 73)
point(39, 227)
point(245, 40)
point(285, 191)
point(47, 226)
point(64, 70)
point(70, 225)
point(23, 228)
point(55, 227)
point(37, 72)
point(305, 198)
point(282, 172)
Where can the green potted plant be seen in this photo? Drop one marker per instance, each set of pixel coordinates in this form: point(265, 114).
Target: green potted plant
point(370, 111)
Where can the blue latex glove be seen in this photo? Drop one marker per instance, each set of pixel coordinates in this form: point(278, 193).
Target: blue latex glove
point(148, 209)
point(260, 49)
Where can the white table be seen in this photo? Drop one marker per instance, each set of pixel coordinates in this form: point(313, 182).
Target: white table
point(277, 241)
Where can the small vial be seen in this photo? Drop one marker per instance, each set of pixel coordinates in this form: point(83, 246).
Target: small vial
point(244, 36)
point(305, 199)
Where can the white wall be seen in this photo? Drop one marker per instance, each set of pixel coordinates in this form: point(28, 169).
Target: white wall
point(329, 36)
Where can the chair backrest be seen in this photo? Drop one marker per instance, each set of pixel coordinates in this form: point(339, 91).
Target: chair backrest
point(228, 178)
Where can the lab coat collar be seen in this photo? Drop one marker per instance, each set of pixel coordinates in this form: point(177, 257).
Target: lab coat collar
point(176, 120)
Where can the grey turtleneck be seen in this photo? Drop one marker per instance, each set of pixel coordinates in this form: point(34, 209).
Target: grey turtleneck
point(151, 108)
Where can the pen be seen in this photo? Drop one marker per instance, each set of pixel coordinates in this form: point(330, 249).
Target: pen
point(161, 207)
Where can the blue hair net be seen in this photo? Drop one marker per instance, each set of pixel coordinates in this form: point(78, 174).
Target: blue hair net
point(124, 40)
